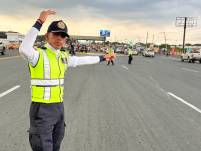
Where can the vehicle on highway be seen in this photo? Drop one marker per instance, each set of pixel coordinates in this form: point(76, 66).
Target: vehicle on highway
point(135, 52)
point(148, 53)
point(191, 56)
point(13, 45)
point(119, 50)
point(83, 48)
point(2, 48)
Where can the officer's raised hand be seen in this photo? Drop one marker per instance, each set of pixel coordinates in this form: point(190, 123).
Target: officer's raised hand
point(44, 14)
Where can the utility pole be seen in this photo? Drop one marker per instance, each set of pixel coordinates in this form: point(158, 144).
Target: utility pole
point(184, 36)
point(147, 39)
point(185, 22)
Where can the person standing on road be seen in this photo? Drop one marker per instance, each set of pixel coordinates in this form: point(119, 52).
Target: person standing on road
point(111, 54)
point(47, 66)
point(130, 56)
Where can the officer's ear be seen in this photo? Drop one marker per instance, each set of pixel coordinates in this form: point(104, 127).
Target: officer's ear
point(46, 36)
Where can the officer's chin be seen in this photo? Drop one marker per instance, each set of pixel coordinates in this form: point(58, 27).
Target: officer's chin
point(58, 46)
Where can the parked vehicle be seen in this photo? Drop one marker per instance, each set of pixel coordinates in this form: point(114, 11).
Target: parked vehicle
point(135, 52)
point(148, 53)
point(191, 56)
point(13, 46)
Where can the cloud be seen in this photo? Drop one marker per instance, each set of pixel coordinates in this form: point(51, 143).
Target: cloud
point(123, 17)
point(137, 10)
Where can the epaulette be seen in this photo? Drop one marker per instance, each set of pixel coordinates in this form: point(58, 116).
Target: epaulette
point(43, 47)
point(62, 50)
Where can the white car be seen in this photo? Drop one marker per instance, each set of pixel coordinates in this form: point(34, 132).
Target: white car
point(135, 52)
point(148, 53)
point(192, 56)
point(119, 50)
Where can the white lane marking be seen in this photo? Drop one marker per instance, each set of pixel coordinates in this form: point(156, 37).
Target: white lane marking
point(9, 91)
point(190, 70)
point(124, 67)
point(157, 85)
point(174, 96)
point(185, 102)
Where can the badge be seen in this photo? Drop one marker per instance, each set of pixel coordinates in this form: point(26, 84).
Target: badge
point(61, 25)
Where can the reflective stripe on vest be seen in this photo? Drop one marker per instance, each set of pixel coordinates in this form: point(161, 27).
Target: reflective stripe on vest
point(111, 51)
point(47, 83)
point(130, 52)
point(46, 74)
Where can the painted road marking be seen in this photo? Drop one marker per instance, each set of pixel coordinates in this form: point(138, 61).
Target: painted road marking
point(157, 85)
point(9, 91)
point(190, 70)
point(124, 67)
point(185, 102)
point(175, 96)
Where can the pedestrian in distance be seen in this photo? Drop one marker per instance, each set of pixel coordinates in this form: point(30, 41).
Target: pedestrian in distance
point(130, 55)
point(111, 54)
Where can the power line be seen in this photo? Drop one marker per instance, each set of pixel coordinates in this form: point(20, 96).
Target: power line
point(186, 22)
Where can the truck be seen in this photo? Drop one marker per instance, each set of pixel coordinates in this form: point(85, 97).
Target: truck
point(191, 56)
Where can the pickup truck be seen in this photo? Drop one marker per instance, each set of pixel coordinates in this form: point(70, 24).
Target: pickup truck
point(192, 56)
point(2, 48)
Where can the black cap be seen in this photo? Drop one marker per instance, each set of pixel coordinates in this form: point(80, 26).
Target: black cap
point(58, 27)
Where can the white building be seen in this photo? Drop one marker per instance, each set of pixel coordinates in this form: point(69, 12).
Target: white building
point(10, 36)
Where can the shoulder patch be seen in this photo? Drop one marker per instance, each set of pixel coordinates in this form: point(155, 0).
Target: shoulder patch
point(43, 47)
point(62, 50)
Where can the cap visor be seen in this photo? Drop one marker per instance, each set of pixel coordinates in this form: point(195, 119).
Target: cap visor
point(67, 35)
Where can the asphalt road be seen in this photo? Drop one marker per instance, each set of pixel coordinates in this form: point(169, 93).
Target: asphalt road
point(152, 105)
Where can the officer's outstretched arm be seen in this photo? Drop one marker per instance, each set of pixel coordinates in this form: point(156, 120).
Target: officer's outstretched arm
point(74, 61)
point(26, 48)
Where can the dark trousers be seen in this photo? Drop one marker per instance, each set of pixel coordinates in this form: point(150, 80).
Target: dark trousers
point(47, 126)
point(108, 63)
point(130, 58)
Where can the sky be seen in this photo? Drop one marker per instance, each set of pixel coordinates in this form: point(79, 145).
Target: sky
point(128, 20)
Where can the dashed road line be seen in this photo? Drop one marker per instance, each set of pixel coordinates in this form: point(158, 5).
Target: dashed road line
point(9, 91)
point(157, 85)
point(176, 97)
point(185, 102)
point(124, 67)
point(190, 70)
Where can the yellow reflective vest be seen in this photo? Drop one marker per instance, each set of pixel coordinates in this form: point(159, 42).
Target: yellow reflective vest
point(47, 77)
point(111, 51)
point(130, 52)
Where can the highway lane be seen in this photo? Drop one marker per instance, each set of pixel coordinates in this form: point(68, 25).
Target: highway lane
point(108, 108)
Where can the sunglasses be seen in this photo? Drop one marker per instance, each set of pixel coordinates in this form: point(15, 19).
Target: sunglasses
point(62, 35)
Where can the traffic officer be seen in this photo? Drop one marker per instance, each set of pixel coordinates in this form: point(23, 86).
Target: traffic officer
point(47, 66)
point(111, 54)
point(130, 55)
